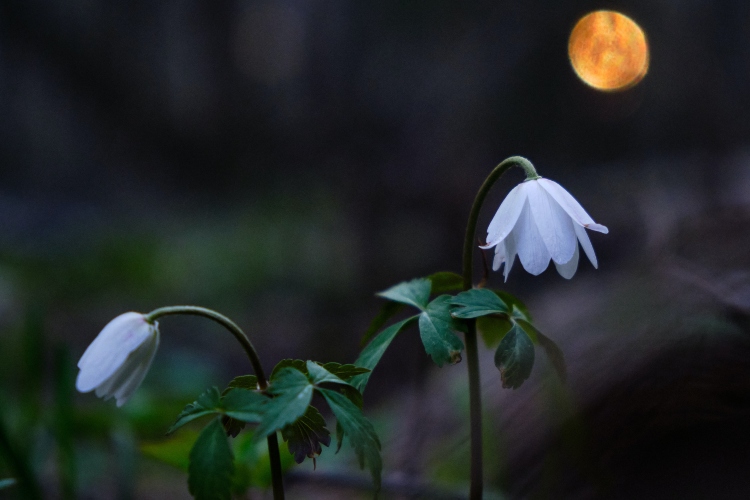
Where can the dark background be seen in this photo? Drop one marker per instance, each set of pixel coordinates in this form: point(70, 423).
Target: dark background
point(282, 161)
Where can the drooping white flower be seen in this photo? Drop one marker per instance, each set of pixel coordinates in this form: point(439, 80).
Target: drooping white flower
point(538, 221)
point(117, 360)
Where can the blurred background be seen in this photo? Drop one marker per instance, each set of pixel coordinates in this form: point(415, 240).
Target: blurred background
point(281, 161)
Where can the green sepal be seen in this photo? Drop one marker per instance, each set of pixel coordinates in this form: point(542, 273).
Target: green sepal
point(515, 357)
point(211, 464)
point(371, 354)
point(413, 293)
point(477, 302)
point(361, 433)
point(436, 326)
point(304, 436)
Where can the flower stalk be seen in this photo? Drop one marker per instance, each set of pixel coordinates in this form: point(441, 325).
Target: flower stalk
point(472, 356)
point(252, 354)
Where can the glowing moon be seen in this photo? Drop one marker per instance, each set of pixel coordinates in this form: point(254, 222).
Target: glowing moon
point(608, 51)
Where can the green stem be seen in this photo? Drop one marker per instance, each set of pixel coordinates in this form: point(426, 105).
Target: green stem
point(472, 356)
point(252, 354)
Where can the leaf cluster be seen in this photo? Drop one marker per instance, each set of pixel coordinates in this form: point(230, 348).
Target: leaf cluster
point(283, 406)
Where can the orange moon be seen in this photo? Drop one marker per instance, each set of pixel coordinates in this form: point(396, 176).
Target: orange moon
point(608, 51)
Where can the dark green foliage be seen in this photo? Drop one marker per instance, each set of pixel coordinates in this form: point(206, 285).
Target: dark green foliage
point(515, 357)
point(211, 464)
point(344, 372)
point(387, 311)
point(370, 355)
point(207, 403)
point(436, 326)
point(359, 430)
point(477, 302)
point(249, 382)
point(304, 437)
point(445, 282)
point(414, 293)
point(554, 353)
point(292, 394)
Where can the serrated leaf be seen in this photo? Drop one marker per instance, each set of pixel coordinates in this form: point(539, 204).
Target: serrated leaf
point(361, 433)
point(245, 405)
point(211, 465)
point(515, 357)
point(477, 302)
point(297, 364)
point(387, 311)
point(436, 330)
point(242, 382)
point(207, 403)
point(370, 355)
point(413, 293)
point(553, 352)
point(304, 436)
point(319, 375)
point(292, 394)
point(444, 282)
point(345, 372)
point(7, 483)
point(518, 308)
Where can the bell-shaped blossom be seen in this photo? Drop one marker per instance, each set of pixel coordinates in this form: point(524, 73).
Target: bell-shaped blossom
point(540, 221)
point(117, 360)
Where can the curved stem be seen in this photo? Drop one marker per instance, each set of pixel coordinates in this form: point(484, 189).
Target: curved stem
point(472, 356)
point(252, 354)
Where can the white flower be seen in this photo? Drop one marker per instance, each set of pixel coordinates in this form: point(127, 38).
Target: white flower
point(539, 221)
point(117, 360)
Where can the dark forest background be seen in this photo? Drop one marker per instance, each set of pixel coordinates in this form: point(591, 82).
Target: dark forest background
point(281, 161)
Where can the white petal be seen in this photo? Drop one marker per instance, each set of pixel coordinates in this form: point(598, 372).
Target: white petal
point(126, 390)
point(510, 253)
point(109, 350)
point(531, 248)
point(506, 216)
point(586, 244)
point(571, 206)
point(555, 226)
point(499, 256)
point(568, 269)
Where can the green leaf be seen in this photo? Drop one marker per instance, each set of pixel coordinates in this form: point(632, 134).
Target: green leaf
point(242, 382)
point(320, 375)
point(387, 311)
point(306, 434)
point(436, 329)
point(493, 329)
point(518, 308)
point(444, 282)
point(413, 293)
point(292, 394)
point(477, 302)
point(360, 431)
point(211, 464)
point(515, 357)
point(370, 355)
point(207, 403)
point(297, 364)
point(345, 372)
point(553, 352)
point(245, 405)
point(7, 483)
